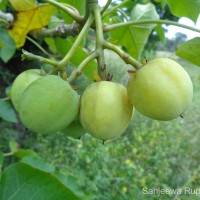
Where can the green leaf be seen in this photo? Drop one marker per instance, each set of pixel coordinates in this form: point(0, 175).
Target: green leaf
point(23, 182)
point(7, 112)
point(185, 8)
point(38, 163)
point(7, 45)
point(63, 46)
point(134, 38)
point(160, 32)
point(3, 4)
point(70, 182)
point(190, 50)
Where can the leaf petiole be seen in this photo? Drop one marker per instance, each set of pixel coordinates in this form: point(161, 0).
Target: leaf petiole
point(112, 27)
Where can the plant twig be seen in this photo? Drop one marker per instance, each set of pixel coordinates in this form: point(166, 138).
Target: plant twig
point(29, 56)
point(62, 30)
point(5, 99)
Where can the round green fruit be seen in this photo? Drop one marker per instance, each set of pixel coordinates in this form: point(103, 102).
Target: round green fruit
point(105, 110)
point(48, 105)
point(161, 89)
point(22, 81)
point(74, 130)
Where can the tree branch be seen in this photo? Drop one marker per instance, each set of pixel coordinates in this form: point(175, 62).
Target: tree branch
point(62, 30)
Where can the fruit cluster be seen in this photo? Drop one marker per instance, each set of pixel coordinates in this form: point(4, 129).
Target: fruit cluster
point(161, 89)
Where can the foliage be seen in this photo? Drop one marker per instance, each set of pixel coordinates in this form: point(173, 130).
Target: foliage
point(71, 39)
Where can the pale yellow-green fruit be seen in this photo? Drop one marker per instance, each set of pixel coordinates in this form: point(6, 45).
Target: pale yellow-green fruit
point(161, 89)
point(22, 81)
point(105, 110)
point(48, 105)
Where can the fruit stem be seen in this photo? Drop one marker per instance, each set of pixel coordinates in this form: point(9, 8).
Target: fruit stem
point(132, 23)
point(99, 41)
point(71, 12)
point(77, 72)
point(124, 56)
point(63, 62)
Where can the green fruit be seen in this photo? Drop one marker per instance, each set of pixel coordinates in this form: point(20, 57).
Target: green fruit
point(21, 83)
point(48, 105)
point(105, 110)
point(74, 130)
point(161, 89)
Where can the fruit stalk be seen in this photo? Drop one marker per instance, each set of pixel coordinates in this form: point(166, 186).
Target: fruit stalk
point(77, 72)
point(124, 56)
point(99, 42)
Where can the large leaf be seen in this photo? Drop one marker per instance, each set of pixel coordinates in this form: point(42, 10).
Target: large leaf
point(185, 8)
point(7, 112)
point(24, 182)
point(63, 46)
point(70, 182)
point(134, 38)
point(7, 45)
point(28, 20)
point(190, 50)
point(38, 164)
